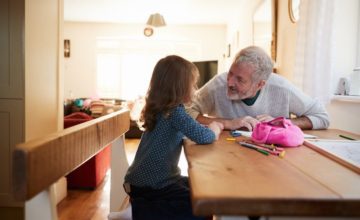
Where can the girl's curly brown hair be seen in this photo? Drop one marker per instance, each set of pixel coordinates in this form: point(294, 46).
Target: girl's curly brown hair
point(172, 83)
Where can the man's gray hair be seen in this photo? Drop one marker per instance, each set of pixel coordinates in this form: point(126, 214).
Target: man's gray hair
point(258, 59)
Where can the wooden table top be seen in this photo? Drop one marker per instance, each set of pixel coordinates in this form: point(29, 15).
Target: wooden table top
point(228, 179)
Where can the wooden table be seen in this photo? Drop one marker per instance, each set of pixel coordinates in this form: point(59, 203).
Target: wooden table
point(228, 179)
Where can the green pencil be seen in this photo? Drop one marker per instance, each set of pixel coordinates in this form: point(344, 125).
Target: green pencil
point(262, 151)
point(251, 146)
point(349, 138)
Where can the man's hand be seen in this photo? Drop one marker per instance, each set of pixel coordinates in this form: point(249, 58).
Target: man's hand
point(243, 122)
point(264, 118)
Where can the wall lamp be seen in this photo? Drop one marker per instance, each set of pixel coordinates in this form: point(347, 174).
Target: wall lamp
point(66, 48)
point(156, 20)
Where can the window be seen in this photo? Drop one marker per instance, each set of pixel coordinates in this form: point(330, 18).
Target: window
point(108, 75)
point(124, 67)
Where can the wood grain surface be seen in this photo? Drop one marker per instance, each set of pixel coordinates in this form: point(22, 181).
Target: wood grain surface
point(39, 163)
point(228, 179)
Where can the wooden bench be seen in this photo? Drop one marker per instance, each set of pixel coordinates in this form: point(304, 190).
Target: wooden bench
point(41, 162)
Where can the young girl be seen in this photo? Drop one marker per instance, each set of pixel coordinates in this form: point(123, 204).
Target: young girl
point(153, 181)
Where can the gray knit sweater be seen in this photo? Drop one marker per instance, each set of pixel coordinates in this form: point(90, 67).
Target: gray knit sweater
point(277, 98)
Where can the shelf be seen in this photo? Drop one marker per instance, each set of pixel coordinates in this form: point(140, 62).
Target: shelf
point(347, 98)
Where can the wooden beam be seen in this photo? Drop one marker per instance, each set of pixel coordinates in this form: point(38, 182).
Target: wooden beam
point(39, 163)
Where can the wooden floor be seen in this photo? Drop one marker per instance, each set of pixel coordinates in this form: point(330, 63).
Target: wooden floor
point(92, 204)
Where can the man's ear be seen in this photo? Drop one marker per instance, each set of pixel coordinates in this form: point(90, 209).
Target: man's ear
point(261, 84)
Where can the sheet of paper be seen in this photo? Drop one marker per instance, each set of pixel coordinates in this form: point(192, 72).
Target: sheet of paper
point(348, 151)
point(309, 136)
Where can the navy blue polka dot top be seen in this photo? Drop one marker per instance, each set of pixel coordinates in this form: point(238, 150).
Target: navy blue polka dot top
point(156, 161)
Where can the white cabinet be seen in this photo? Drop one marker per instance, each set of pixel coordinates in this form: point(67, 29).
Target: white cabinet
point(12, 49)
point(12, 109)
point(11, 133)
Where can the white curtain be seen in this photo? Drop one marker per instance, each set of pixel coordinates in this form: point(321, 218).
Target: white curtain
point(313, 71)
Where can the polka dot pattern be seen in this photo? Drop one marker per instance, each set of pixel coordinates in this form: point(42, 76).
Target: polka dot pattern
point(156, 161)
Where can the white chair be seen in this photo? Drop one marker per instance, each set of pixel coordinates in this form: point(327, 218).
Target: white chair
point(125, 213)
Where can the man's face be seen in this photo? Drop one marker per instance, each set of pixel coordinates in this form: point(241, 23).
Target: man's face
point(240, 84)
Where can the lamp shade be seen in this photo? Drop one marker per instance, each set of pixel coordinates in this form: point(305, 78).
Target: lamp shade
point(156, 20)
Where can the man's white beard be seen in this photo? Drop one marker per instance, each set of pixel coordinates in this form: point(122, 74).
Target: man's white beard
point(233, 96)
point(237, 96)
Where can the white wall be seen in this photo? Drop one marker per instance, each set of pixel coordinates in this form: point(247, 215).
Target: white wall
point(240, 29)
point(42, 86)
point(286, 42)
point(345, 115)
point(80, 68)
point(346, 23)
point(41, 67)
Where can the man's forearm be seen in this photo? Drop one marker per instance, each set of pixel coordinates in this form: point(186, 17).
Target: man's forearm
point(207, 120)
point(303, 122)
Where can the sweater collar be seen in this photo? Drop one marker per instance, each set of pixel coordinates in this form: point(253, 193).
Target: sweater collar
point(251, 101)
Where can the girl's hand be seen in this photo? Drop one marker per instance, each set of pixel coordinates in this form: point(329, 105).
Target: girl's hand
point(217, 128)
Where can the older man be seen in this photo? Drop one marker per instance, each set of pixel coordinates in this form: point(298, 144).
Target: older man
point(250, 93)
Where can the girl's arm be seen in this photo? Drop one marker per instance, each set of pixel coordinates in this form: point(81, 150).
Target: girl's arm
point(196, 132)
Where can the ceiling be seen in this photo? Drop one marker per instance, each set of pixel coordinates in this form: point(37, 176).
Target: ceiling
point(138, 11)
